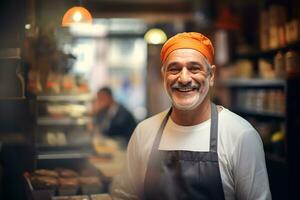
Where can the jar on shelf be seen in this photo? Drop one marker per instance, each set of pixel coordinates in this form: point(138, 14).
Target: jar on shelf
point(292, 31)
point(264, 30)
point(281, 36)
point(279, 65)
point(280, 96)
point(272, 101)
point(292, 61)
point(261, 102)
point(273, 40)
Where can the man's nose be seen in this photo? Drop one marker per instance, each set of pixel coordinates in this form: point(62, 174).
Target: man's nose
point(184, 76)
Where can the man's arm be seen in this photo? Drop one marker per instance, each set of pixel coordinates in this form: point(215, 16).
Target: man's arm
point(127, 184)
point(249, 168)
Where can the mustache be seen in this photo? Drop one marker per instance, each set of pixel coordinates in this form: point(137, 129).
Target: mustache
point(188, 86)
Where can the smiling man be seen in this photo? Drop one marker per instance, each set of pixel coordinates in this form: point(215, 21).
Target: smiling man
point(195, 149)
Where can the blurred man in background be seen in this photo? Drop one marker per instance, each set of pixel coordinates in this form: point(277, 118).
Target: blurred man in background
point(111, 118)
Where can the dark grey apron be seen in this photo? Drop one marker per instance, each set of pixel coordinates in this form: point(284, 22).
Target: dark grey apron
point(180, 175)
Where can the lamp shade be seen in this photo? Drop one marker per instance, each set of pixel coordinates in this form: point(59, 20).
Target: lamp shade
point(77, 14)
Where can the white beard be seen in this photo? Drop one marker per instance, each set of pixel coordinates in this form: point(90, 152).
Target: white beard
point(198, 99)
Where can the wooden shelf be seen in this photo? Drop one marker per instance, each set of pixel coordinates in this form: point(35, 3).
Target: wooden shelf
point(264, 114)
point(64, 97)
point(255, 82)
point(63, 121)
point(268, 53)
point(10, 53)
point(276, 158)
point(47, 147)
point(64, 155)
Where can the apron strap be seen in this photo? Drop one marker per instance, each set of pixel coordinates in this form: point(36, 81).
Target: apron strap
point(154, 164)
point(160, 130)
point(213, 128)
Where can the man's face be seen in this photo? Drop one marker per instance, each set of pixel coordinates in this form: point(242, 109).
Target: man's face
point(186, 78)
point(103, 100)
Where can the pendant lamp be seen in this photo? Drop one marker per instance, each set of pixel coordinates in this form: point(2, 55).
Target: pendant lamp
point(155, 36)
point(77, 14)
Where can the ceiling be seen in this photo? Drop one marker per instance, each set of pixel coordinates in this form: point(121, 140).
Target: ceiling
point(149, 10)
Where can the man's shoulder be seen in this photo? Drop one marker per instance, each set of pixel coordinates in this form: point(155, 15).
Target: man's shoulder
point(122, 109)
point(234, 124)
point(153, 121)
point(146, 130)
point(236, 133)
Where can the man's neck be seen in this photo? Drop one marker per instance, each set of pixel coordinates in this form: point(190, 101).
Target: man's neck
point(192, 117)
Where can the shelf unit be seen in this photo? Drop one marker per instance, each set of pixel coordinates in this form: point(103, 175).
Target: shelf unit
point(67, 98)
point(254, 83)
point(65, 155)
point(268, 53)
point(283, 169)
point(241, 85)
point(63, 121)
point(260, 114)
point(74, 141)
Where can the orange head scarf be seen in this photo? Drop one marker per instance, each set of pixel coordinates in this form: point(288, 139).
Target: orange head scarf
point(191, 40)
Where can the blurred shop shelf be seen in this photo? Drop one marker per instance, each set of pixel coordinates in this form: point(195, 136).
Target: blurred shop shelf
point(63, 121)
point(10, 58)
point(13, 138)
point(265, 114)
point(268, 53)
point(275, 158)
point(255, 82)
point(60, 155)
point(66, 97)
point(66, 147)
point(10, 53)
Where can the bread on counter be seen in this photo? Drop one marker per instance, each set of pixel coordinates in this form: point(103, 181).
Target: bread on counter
point(91, 185)
point(79, 198)
point(68, 182)
point(101, 197)
point(66, 173)
point(90, 171)
point(90, 180)
point(60, 198)
point(45, 172)
point(43, 182)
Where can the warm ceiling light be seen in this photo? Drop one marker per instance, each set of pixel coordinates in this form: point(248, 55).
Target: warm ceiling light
point(27, 26)
point(155, 36)
point(77, 14)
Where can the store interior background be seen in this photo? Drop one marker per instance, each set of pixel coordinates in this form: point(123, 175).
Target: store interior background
point(45, 68)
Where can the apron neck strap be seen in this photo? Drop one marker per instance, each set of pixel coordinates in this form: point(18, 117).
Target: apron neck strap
point(213, 129)
point(160, 130)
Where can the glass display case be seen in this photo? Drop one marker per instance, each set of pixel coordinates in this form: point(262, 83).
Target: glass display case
point(61, 126)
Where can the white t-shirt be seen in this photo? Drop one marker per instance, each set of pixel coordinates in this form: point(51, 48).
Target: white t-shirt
point(240, 151)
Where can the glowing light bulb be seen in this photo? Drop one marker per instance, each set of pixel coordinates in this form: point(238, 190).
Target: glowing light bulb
point(77, 16)
point(27, 26)
point(155, 36)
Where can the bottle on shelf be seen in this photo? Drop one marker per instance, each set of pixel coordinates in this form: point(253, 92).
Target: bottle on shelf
point(279, 65)
point(292, 60)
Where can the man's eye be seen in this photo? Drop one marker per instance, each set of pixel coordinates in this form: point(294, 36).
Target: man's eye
point(195, 69)
point(173, 70)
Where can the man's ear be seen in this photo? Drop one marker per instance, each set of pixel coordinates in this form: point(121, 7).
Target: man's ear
point(212, 75)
